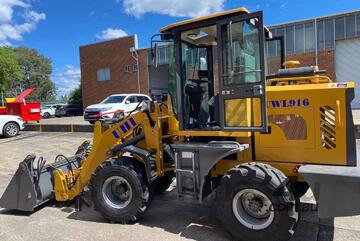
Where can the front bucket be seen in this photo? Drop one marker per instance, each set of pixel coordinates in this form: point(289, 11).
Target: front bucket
point(20, 194)
point(31, 187)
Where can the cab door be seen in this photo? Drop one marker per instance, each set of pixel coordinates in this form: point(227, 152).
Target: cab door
point(242, 98)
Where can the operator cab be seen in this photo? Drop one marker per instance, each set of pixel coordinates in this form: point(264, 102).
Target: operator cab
point(217, 71)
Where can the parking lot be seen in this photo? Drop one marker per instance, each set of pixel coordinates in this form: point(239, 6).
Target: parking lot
point(167, 219)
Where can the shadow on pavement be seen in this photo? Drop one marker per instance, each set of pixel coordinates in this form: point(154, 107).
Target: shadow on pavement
point(199, 222)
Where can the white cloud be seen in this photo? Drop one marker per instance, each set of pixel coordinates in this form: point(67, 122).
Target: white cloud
point(68, 79)
point(6, 9)
point(174, 8)
point(111, 33)
point(33, 16)
point(284, 4)
point(11, 30)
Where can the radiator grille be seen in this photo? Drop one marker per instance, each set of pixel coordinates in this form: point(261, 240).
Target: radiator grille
point(327, 127)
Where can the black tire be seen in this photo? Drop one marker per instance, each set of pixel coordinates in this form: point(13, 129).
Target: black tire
point(268, 181)
point(161, 184)
point(11, 129)
point(126, 168)
point(92, 122)
point(46, 115)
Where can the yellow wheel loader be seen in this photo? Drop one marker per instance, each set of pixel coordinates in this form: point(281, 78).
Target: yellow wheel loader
point(224, 124)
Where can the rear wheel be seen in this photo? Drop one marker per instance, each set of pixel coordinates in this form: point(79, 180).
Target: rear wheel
point(255, 204)
point(119, 190)
point(11, 129)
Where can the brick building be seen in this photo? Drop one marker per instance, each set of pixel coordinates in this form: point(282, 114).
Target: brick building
point(331, 42)
point(109, 68)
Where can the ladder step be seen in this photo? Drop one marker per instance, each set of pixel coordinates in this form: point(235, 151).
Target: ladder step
point(185, 170)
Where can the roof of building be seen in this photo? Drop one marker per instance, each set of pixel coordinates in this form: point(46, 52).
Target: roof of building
point(195, 20)
point(107, 41)
point(312, 19)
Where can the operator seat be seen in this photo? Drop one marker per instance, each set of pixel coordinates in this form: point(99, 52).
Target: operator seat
point(195, 94)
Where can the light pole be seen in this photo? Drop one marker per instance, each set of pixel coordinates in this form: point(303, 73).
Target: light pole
point(135, 56)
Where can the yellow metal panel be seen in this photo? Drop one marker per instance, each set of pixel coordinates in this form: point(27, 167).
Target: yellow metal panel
point(237, 112)
point(195, 20)
point(312, 103)
point(10, 100)
point(243, 112)
point(212, 133)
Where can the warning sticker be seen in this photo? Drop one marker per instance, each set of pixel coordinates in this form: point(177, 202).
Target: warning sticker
point(338, 85)
point(187, 154)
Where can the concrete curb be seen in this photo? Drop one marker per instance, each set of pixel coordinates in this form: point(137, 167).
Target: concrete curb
point(59, 128)
point(90, 128)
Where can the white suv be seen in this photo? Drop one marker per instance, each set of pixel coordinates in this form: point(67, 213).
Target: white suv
point(10, 125)
point(49, 110)
point(112, 104)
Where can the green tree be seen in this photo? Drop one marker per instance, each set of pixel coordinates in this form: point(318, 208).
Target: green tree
point(76, 96)
point(37, 70)
point(10, 71)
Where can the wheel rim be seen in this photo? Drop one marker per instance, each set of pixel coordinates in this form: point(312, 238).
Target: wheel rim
point(253, 209)
point(117, 192)
point(12, 130)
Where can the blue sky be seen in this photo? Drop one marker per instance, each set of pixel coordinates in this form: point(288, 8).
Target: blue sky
point(56, 28)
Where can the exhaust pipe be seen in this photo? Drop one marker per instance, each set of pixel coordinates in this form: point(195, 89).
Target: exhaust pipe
point(31, 187)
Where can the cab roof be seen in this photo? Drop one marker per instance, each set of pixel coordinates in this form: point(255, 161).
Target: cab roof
point(200, 19)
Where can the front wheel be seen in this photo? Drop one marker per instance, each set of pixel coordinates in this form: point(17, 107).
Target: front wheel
point(255, 204)
point(11, 129)
point(119, 190)
point(46, 115)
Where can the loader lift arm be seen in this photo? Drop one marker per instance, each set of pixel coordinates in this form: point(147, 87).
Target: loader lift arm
point(103, 142)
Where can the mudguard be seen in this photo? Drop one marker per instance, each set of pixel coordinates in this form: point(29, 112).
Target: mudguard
point(336, 189)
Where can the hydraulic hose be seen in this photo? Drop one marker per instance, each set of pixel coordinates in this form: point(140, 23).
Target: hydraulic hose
point(133, 141)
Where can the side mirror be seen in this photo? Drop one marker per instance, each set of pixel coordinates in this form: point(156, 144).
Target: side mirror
point(127, 102)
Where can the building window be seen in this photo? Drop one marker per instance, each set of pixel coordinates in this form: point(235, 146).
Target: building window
point(103, 74)
point(339, 28)
point(162, 55)
point(127, 68)
point(329, 34)
point(320, 35)
point(290, 39)
point(299, 38)
point(135, 68)
point(271, 48)
point(309, 36)
point(358, 24)
point(350, 26)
